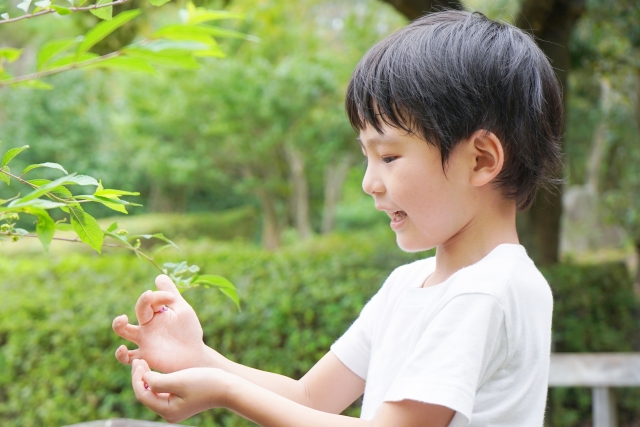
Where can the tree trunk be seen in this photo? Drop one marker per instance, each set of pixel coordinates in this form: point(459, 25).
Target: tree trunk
point(333, 180)
point(270, 226)
point(552, 22)
point(167, 198)
point(599, 138)
point(637, 281)
point(300, 194)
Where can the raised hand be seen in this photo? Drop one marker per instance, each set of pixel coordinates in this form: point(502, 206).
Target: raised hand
point(168, 335)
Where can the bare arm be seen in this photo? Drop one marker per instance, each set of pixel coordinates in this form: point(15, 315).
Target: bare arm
point(171, 340)
point(182, 394)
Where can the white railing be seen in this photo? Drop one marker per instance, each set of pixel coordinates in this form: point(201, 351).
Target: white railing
point(601, 372)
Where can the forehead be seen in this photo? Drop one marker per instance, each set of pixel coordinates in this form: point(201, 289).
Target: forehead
point(370, 138)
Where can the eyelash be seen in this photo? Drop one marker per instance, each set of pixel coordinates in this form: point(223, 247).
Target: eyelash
point(388, 159)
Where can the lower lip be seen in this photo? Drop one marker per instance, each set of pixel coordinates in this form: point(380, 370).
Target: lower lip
point(396, 225)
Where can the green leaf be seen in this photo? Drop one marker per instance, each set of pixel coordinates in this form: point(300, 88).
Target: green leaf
point(32, 84)
point(65, 60)
point(105, 13)
point(37, 203)
point(175, 58)
point(12, 153)
point(41, 191)
point(113, 227)
point(5, 178)
point(109, 192)
point(62, 226)
point(11, 54)
point(158, 236)
point(52, 48)
point(223, 285)
point(186, 31)
point(200, 15)
point(45, 229)
point(44, 165)
point(105, 28)
point(61, 10)
point(126, 64)
point(158, 3)
point(87, 228)
point(123, 239)
point(59, 191)
point(81, 180)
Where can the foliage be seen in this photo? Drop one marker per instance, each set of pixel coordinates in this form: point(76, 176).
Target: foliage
point(47, 195)
point(595, 310)
point(56, 345)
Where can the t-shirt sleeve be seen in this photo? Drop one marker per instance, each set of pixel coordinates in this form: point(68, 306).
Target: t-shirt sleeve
point(353, 348)
point(452, 356)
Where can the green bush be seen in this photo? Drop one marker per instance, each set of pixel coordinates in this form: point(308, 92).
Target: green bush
point(56, 344)
point(595, 310)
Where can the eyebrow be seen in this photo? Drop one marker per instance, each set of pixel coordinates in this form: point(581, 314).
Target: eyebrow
point(374, 142)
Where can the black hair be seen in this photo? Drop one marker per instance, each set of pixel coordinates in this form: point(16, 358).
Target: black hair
point(451, 73)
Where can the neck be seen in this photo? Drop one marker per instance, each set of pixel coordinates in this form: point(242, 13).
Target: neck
point(492, 226)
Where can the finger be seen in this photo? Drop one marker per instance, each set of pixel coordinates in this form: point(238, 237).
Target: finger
point(151, 302)
point(164, 283)
point(162, 383)
point(126, 356)
point(127, 331)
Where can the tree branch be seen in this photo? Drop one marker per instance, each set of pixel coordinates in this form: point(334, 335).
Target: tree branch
point(72, 66)
point(71, 9)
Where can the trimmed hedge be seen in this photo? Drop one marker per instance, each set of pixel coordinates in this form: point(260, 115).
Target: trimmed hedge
point(56, 344)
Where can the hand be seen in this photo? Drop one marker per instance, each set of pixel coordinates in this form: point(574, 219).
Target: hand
point(179, 395)
point(169, 335)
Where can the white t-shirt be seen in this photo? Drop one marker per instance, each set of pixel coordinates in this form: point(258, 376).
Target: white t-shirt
point(478, 343)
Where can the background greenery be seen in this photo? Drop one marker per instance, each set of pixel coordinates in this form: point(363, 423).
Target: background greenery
point(249, 162)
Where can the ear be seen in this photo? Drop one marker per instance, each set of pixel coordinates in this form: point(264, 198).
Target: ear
point(488, 157)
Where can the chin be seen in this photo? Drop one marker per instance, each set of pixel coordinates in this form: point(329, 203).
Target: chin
point(413, 246)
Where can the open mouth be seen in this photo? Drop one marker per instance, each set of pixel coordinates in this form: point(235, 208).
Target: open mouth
point(398, 216)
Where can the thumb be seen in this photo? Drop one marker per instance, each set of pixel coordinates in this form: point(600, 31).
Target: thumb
point(162, 383)
point(164, 283)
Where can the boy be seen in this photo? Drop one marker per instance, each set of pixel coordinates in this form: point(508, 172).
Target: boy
point(459, 119)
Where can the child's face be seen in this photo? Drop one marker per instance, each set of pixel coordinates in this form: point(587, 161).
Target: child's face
point(405, 178)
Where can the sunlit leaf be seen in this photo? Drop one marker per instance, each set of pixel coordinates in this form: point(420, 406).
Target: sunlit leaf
point(52, 48)
point(81, 180)
point(104, 28)
point(10, 54)
point(87, 228)
point(41, 191)
point(70, 59)
point(105, 13)
point(125, 63)
point(168, 58)
point(37, 203)
point(45, 228)
point(59, 191)
point(108, 192)
point(61, 10)
point(9, 155)
point(223, 285)
point(32, 84)
point(63, 226)
point(113, 227)
point(5, 178)
point(44, 165)
point(158, 2)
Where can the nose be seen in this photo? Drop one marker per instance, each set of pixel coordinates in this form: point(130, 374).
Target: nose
point(371, 182)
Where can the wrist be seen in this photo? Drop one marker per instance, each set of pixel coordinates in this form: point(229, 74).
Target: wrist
point(209, 358)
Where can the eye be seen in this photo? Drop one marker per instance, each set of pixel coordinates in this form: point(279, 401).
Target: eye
point(389, 159)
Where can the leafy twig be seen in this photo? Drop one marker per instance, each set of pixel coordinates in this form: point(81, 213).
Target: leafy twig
point(70, 9)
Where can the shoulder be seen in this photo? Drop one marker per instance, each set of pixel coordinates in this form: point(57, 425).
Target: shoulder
point(504, 273)
point(410, 275)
